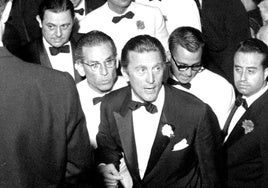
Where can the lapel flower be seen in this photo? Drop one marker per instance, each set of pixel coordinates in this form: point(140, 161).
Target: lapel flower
point(167, 131)
point(248, 125)
point(140, 24)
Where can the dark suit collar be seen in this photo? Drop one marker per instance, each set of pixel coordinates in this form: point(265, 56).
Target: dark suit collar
point(252, 113)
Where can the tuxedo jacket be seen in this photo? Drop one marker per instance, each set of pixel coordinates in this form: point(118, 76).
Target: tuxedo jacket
point(93, 4)
point(193, 120)
point(35, 52)
point(43, 138)
point(247, 152)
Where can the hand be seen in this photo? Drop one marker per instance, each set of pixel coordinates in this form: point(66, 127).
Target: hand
point(110, 175)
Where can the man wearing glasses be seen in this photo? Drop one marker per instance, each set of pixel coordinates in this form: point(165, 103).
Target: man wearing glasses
point(186, 47)
point(97, 61)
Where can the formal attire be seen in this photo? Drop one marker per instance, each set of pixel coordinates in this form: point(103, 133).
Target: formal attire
point(91, 110)
point(86, 6)
point(177, 13)
point(214, 90)
point(224, 25)
point(246, 144)
point(37, 51)
point(181, 148)
point(146, 20)
point(43, 138)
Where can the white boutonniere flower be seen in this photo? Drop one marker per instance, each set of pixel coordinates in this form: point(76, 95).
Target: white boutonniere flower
point(140, 24)
point(248, 125)
point(167, 131)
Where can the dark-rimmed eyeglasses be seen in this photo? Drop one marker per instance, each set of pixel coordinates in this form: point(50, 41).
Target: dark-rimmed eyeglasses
point(195, 67)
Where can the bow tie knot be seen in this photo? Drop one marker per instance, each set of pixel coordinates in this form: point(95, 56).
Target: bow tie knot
point(241, 101)
point(174, 82)
point(79, 11)
point(96, 100)
point(56, 50)
point(128, 15)
point(134, 105)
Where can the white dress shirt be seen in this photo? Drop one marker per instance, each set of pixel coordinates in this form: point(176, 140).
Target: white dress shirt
point(91, 111)
point(177, 13)
point(214, 90)
point(63, 61)
point(147, 20)
point(241, 110)
point(145, 127)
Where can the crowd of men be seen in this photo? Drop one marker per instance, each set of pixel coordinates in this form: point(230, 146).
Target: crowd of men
point(123, 93)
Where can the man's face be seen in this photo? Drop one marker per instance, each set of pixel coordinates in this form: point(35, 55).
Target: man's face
point(186, 58)
point(249, 75)
point(118, 5)
point(99, 67)
point(145, 74)
point(56, 27)
point(76, 2)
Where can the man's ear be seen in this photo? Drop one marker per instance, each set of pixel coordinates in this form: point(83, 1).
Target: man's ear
point(39, 21)
point(168, 54)
point(80, 68)
point(125, 73)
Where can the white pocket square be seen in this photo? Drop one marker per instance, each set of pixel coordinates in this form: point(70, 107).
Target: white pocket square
point(180, 145)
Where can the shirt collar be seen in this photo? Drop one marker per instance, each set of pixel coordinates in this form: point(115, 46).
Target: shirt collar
point(255, 96)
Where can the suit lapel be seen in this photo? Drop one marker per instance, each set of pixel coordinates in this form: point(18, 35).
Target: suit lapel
point(125, 128)
point(251, 113)
point(160, 142)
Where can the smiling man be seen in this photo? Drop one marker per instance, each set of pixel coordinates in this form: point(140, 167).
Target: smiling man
point(153, 127)
point(246, 142)
point(55, 48)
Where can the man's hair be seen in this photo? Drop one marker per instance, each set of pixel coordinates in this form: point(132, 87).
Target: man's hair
point(188, 37)
point(254, 45)
point(141, 44)
point(56, 6)
point(91, 39)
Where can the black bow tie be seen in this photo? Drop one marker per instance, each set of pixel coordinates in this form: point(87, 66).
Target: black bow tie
point(241, 101)
point(128, 15)
point(80, 11)
point(134, 105)
point(174, 82)
point(56, 50)
point(96, 100)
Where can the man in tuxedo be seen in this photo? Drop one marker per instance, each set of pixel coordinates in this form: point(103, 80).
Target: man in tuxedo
point(97, 62)
point(43, 138)
point(246, 141)
point(124, 19)
point(167, 137)
point(56, 48)
point(187, 73)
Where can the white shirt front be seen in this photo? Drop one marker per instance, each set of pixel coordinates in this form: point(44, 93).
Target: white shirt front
point(177, 13)
point(63, 61)
point(145, 127)
point(147, 20)
point(214, 90)
point(91, 111)
point(241, 110)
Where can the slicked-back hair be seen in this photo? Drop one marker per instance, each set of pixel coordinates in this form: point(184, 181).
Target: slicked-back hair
point(254, 45)
point(141, 44)
point(187, 37)
point(91, 39)
point(55, 6)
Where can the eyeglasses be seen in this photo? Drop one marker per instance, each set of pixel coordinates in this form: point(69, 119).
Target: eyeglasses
point(109, 63)
point(195, 67)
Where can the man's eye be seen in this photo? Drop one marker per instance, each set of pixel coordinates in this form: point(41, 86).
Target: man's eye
point(65, 26)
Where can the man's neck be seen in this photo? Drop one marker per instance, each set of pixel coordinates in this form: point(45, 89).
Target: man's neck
point(116, 9)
